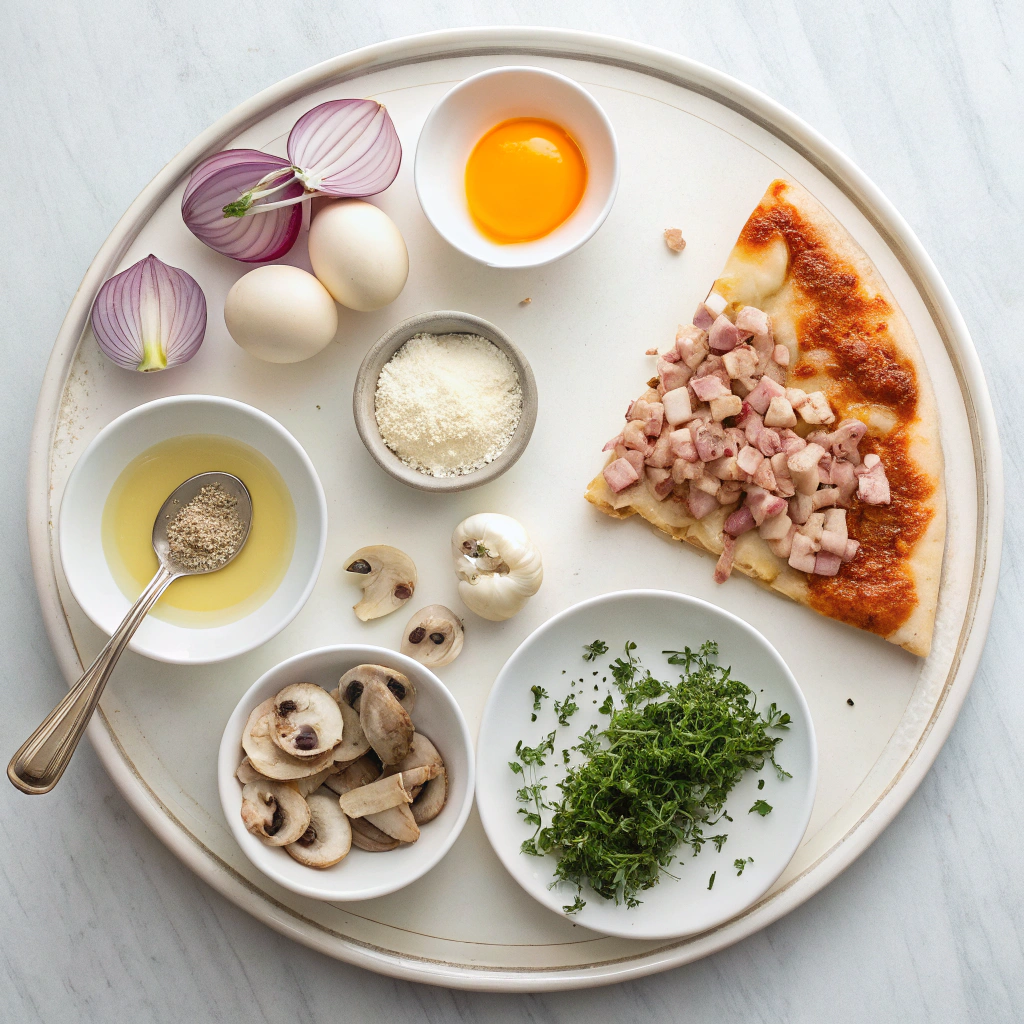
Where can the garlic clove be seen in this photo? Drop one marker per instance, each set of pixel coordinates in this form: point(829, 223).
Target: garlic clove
point(434, 636)
point(387, 576)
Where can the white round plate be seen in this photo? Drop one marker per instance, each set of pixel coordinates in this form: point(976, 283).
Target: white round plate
point(656, 621)
point(697, 150)
point(361, 875)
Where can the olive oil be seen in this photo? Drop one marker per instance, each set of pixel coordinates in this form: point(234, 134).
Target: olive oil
point(229, 593)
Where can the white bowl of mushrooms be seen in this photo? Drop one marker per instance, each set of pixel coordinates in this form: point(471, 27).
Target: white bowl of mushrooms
point(346, 772)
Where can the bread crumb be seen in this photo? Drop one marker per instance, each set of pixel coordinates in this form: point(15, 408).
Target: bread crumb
point(526, 301)
point(651, 352)
point(674, 239)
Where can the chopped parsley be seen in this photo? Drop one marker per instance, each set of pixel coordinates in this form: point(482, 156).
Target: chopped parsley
point(762, 807)
point(711, 880)
point(740, 863)
point(593, 651)
point(539, 694)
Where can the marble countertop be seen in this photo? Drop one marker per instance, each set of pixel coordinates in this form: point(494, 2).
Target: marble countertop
point(100, 920)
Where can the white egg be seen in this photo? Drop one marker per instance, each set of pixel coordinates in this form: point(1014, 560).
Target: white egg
point(280, 314)
point(358, 254)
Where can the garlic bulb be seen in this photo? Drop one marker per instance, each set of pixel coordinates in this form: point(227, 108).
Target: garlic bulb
point(498, 566)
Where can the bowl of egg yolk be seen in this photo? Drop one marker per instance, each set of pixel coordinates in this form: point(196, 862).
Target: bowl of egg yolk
point(116, 489)
point(517, 166)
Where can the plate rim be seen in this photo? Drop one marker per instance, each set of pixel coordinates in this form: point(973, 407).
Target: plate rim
point(794, 132)
point(683, 600)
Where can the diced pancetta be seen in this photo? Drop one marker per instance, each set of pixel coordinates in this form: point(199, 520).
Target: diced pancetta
point(825, 497)
point(780, 355)
point(753, 321)
point(740, 362)
point(620, 475)
point(749, 460)
point(613, 443)
point(676, 405)
point(726, 406)
point(816, 409)
point(662, 457)
point(800, 508)
point(802, 555)
point(841, 474)
point(846, 437)
point(835, 521)
point(709, 439)
point(709, 387)
point(735, 440)
point(767, 389)
point(740, 521)
point(784, 547)
point(702, 318)
point(707, 483)
point(729, 491)
point(826, 564)
point(780, 413)
point(651, 414)
point(834, 543)
point(723, 567)
point(803, 468)
point(872, 483)
point(796, 397)
point(635, 436)
point(691, 345)
point(723, 335)
point(772, 371)
point(813, 528)
point(725, 468)
point(682, 446)
point(764, 477)
point(775, 527)
point(791, 441)
point(661, 482)
point(683, 470)
point(700, 503)
point(852, 547)
point(763, 504)
point(636, 460)
point(673, 375)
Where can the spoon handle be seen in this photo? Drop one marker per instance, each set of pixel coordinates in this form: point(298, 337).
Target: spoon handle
point(39, 763)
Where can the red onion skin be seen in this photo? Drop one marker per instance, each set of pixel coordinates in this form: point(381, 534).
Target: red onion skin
point(150, 317)
point(346, 148)
point(221, 179)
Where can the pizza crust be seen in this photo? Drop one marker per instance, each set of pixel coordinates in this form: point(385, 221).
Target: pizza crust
point(759, 273)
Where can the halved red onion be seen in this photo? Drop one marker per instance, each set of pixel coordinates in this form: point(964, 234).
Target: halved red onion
point(247, 180)
point(345, 148)
point(150, 316)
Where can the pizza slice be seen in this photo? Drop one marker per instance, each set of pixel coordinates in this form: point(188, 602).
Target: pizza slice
point(792, 430)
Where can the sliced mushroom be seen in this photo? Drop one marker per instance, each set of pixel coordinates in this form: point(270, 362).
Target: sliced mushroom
point(421, 752)
point(353, 741)
point(434, 636)
point(367, 836)
point(396, 822)
point(387, 576)
point(353, 682)
point(307, 722)
point(246, 773)
point(328, 836)
point(386, 792)
point(267, 757)
point(313, 782)
point(431, 799)
point(274, 812)
point(359, 773)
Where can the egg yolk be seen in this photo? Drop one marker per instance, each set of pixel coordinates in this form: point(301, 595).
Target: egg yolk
point(524, 178)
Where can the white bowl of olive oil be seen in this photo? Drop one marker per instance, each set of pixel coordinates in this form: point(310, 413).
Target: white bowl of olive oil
point(116, 489)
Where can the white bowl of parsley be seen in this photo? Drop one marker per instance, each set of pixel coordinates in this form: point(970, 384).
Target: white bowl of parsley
point(646, 765)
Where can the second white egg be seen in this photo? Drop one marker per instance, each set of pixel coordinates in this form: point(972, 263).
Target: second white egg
point(358, 254)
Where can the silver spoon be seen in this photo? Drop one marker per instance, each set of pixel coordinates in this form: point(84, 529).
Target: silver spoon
point(39, 764)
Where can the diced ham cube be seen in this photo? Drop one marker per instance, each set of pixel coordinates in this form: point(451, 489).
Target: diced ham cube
point(740, 362)
point(852, 547)
point(661, 482)
point(682, 446)
point(753, 321)
point(825, 497)
point(620, 475)
point(800, 508)
point(613, 443)
point(662, 457)
point(803, 468)
point(780, 413)
point(636, 460)
point(683, 470)
point(673, 375)
point(676, 405)
point(740, 521)
point(723, 335)
point(700, 503)
point(709, 387)
point(725, 468)
point(802, 556)
point(726, 406)
point(635, 436)
point(826, 564)
point(764, 477)
point(767, 389)
point(784, 547)
point(749, 460)
point(723, 567)
point(775, 527)
point(780, 355)
point(872, 483)
point(816, 409)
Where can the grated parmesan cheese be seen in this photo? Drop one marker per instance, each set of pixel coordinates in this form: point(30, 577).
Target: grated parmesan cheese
point(447, 404)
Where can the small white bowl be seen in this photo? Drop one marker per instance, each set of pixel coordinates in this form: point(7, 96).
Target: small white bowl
point(462, 116)
point(81, 517)
point(655, 621)
point(361, 875)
